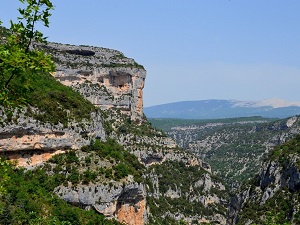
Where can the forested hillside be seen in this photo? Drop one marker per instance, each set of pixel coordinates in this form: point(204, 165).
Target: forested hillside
point(271, 197)
point(235, 148)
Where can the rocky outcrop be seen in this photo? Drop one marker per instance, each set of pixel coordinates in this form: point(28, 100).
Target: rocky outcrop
point(125, 203)
point(103, 76)
point(273, 190)
point(31, 141)
point(196, 196)
point(113, 83)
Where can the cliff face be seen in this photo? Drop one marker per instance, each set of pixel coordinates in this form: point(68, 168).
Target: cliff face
point(103, 76)
point(31, 142)
point(150, 181)
point(126, 203)
point(274, 193)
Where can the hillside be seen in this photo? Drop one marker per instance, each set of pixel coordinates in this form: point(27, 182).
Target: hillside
point(272, 197)
point(83, 134)
point(234, 147)
point(216, 109)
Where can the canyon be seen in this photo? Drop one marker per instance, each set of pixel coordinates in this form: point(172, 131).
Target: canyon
point(113, 84)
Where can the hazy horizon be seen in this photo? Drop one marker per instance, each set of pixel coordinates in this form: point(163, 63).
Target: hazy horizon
point(275, 102)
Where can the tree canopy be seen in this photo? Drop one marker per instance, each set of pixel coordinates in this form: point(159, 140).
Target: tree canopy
point(20, 61)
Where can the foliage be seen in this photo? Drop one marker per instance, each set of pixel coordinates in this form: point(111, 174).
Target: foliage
point(282, 207)
point(126, 163)
point(25, 30)
point(138, 128)
point(29, 200)
point(84, 166)
point(273, 219)
point(233, 147)
point(167, 123)
point(17, 60)
point(276, 211)
point(181, 178)
point(58, 103)
point(27, 196)
point(5, 170)
point(287, 150)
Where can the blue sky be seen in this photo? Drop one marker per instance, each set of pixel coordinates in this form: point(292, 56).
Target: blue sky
point(192, 50)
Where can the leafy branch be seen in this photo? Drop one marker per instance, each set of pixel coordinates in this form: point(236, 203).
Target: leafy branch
point(17, 59)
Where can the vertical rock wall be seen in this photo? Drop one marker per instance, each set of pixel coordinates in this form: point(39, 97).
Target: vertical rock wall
point(103, 76)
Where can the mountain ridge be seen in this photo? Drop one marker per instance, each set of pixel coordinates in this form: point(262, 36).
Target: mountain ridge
point(218, 108)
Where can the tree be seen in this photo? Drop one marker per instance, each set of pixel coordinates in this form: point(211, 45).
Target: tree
point(18, 58)
point(5, 170)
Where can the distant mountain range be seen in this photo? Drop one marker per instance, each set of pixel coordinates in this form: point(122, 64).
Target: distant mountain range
point(215, 109)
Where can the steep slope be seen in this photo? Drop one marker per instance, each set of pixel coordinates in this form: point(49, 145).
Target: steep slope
point(216, 109)
point(113, 161)
point(104, 76)
point(234, 148)
point(272, 197)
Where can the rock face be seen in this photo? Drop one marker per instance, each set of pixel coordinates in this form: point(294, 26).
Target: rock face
point(103, 76)
point(114, 83)
point(127, 204)
point(274, 191)
point(32, 142)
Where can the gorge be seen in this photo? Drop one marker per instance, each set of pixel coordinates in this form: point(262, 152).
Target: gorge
point(100, 149)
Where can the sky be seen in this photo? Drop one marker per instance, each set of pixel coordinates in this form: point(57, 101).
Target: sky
point(192, 50)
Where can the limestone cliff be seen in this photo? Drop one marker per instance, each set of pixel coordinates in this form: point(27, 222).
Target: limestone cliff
point(127, 179)
point(103, 76)
point(273, 195)
point(126, 203)
point(31, 142)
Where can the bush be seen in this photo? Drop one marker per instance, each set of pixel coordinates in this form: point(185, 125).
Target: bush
point(29, 199)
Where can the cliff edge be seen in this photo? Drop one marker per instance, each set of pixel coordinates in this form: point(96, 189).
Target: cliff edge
point(114, 161)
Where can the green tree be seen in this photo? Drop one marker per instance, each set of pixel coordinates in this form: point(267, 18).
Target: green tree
point(19, 60)
point(5, 170)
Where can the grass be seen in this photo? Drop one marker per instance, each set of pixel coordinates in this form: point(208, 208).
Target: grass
point(56, 102)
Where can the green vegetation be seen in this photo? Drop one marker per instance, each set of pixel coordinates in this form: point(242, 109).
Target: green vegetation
point(167, 124)
point(233, 147)
point(182, 179)
point(56, 102)
point(84, 167)
point(29, 200)
point(282, 207)
point(18, 61)
point(287, 151)
point(124, 162)
point(26, 196)
point(276, 211)
point(127, 126)
point(24, 71)
point(4, 176)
